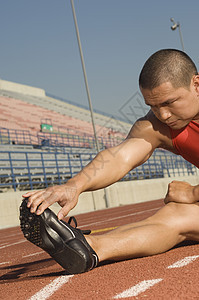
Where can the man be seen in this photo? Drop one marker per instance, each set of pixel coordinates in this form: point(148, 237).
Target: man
point(169, 83)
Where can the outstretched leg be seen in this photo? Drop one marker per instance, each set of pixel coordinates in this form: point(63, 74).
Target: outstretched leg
point(172, 224)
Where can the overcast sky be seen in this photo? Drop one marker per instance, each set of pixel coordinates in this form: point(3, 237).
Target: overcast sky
point(39, 45)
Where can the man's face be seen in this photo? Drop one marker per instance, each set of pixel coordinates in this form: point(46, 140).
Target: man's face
point(175, 107)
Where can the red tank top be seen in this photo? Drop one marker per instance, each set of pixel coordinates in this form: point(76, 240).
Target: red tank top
point(186, 142)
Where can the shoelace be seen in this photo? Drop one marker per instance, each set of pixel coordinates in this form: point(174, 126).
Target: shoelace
point(86, 232)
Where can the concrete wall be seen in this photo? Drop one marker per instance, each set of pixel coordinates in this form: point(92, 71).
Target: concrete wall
point(21, 88)
point(120, 193)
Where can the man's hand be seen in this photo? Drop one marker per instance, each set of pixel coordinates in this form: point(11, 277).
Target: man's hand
point(66, 195)
point(181, 192)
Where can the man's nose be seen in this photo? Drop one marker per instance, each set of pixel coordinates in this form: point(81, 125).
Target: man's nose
point(164, 113)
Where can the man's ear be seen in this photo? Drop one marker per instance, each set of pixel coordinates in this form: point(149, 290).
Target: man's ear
point(196, 82)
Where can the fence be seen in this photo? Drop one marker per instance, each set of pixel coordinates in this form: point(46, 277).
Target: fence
point(24, 137)
point(27, 170)
point(13, 136)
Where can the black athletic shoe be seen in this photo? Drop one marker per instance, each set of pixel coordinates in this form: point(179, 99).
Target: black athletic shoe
point(65, 244)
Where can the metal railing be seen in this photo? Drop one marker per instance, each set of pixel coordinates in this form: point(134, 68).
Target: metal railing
point(13, 136)
point(24, 137)
point(24, 170)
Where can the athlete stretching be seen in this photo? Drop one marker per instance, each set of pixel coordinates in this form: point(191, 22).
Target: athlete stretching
point(169, 82)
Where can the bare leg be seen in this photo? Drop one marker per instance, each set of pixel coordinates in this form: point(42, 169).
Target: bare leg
point(171, 225)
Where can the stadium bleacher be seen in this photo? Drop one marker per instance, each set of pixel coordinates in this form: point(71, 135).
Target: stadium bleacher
point(63, 114)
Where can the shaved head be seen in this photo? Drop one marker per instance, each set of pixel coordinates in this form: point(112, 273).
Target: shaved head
point(167, 65)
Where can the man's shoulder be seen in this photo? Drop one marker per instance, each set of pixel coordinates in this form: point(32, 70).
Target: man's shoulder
point(151, 123)
point(152, 129)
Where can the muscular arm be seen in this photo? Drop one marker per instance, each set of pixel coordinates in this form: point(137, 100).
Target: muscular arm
point(107, 167)
point(112, 164)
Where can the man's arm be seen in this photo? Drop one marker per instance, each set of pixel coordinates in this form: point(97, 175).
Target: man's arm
point(182, 192)
point(107, 167)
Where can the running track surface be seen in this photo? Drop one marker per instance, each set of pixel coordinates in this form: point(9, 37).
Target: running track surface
point(29, 273)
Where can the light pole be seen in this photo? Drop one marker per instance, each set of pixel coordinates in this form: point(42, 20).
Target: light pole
point(87, 89)
point(174, 27)
point(85, 76)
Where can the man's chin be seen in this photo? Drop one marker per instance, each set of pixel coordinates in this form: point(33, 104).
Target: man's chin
point(178, 125)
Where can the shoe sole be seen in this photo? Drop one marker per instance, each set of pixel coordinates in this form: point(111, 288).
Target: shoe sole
point(72, 256)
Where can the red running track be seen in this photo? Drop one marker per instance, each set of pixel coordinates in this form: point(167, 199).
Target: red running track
point(27, 272)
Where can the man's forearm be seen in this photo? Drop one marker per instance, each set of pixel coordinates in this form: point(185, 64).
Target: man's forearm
point(112, 164)
point(106, 168)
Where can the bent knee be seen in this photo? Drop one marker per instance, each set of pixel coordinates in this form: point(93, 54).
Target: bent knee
point(185, 217)
point(183, 208)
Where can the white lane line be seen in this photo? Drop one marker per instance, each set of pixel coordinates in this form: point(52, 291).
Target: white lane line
point(8, 238)
point(183, 262)
point(49, 289)
point(138, 288)
point(11, 235)
point(5, 262)
point(120, 217)
point(36, 253)
point(3, 244)
point(9, 245)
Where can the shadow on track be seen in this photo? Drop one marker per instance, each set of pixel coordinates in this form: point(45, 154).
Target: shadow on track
point(22, 272)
